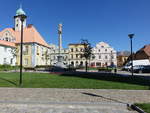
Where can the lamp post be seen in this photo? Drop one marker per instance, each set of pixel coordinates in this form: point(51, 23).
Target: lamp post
point(131, 36)
point(22, 18)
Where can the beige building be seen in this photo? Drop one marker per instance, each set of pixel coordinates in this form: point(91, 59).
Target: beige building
point(75, 55)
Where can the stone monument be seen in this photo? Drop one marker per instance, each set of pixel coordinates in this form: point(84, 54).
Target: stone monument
point(60, 57)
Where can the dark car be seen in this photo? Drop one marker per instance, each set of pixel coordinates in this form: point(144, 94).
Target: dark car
point(141, 69)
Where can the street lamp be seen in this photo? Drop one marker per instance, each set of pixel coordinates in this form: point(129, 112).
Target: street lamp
point(131, 36)
point(22, 18)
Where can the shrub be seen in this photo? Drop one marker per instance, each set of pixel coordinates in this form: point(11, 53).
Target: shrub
point(7, 67)
point(105, 69)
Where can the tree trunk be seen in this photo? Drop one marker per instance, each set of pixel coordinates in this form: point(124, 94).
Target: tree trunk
point(86, 66)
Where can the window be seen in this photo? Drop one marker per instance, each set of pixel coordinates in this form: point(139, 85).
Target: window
point(7, 39)
point(81, 49)
point(76, 49)
point(26, 50)
point(26, 61)
point(98, 63)
point(42, 49)
point(102, 46)
point(5, 49)
point(99, 56)
point(105, 49)
point(72, 56)
point(76, 55)
point(106, 57)
point(71, 49)
point(99, 50)
point(37, 50)
point(11, 61)
point(5, 60)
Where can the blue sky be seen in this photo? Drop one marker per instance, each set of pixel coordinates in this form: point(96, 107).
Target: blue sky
point(96, 20)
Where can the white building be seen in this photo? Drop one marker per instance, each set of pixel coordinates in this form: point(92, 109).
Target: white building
point(104, 55)
point(54, 53)
point(6, 53)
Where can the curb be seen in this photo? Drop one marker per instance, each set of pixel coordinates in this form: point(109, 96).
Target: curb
point(136, 108)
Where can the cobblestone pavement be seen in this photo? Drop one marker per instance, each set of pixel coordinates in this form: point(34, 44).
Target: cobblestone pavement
point(51, 100)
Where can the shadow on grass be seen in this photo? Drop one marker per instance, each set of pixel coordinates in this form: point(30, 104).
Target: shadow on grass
point(8, 81)
point(136, 79)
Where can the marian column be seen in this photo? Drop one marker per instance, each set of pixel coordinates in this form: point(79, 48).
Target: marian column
point(60, 37)
point(60, 59)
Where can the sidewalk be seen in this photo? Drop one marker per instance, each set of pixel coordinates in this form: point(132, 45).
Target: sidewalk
point(51, 100)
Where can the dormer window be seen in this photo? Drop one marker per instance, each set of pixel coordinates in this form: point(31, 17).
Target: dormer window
point(7, 39)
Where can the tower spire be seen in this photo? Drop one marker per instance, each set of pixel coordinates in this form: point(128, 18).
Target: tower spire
point(20, 5)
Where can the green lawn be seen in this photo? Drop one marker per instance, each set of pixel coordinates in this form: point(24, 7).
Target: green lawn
point(45, 80)
point(145, 107)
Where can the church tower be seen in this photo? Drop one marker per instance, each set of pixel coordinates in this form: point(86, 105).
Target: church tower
point(17, 19)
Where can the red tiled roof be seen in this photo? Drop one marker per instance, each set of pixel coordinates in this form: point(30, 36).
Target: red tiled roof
point(6, 43)
point(146, 49)
point(30, 34)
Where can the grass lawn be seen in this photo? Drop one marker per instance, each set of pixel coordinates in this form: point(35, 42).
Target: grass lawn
point(145, 107)
point(46, 80)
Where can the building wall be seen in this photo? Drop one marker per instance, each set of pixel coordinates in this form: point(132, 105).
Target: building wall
point(121, 60)
point(75, 55)
point(27, 55)
point(40, 55)
point(33, 55)
point(104, 55)
point(6, 57)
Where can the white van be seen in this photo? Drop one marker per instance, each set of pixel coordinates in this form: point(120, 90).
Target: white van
point(136, 63)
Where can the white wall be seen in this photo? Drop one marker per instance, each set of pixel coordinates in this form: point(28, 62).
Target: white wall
point(6, 55)
point(103, 54)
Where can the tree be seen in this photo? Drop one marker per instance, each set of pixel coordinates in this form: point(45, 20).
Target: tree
point(87, 52)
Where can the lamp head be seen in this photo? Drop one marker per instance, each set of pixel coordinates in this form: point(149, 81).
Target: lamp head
point(130, 35)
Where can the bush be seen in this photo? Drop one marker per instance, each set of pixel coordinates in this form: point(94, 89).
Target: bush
point(105, 69)
point(7, 67)
point(29, 68)
point(42, 66)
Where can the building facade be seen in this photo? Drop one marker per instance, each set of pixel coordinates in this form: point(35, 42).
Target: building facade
point(104, 55)
point(35, 48)
point(76, 52)
point(7, 55)
point(54, 53)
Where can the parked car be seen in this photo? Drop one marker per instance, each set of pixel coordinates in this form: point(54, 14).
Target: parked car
point(141, 69)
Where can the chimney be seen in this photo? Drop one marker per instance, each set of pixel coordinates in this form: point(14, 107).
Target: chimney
point(30, 25)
